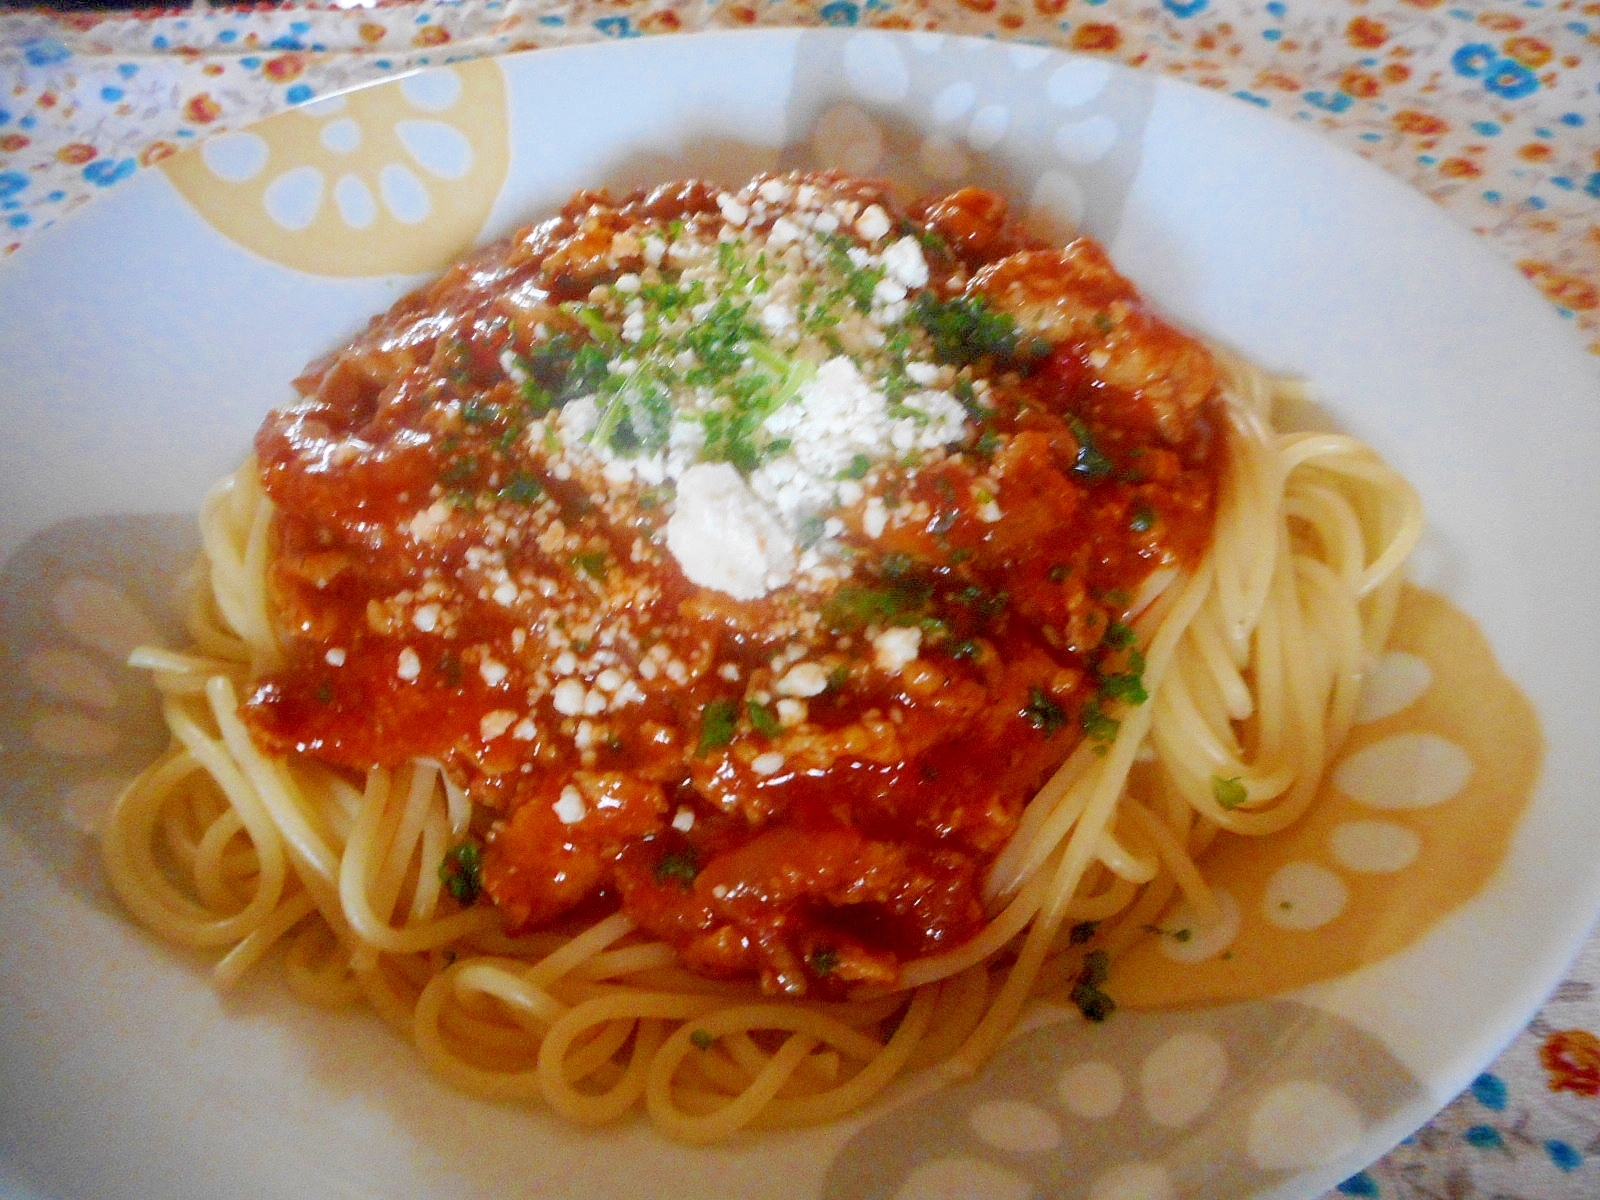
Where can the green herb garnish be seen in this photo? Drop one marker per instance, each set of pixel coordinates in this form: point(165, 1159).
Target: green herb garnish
point(1126, 686)
point(461, 872)
point(1043, 713)
point(678, 866)
point(1228, 793)
point(985, 605)
point(762, 719)
point(1087, 991)
point(856, 468)
point(965, 329)
point(1098, 727)
point(521, 488)
point(899, 601)
point(1089, 463)
point(477, 412)
point(458, 472)
point(718, 721)
point(1118, 636)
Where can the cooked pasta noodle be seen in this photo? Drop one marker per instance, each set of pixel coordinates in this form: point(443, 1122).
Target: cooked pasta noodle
point(1254, 659)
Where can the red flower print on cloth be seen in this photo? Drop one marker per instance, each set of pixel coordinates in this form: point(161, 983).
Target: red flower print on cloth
point(1572, 1058)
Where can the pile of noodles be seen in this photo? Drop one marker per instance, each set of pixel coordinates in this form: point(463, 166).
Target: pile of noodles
point(1253, 666)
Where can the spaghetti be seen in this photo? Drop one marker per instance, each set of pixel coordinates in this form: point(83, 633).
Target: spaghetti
point(1187, 674)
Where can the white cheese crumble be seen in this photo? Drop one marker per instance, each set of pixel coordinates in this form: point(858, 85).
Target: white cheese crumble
point(494, 723)
point(874, 518)
point(426, 524)
point(568, 697)
point(409, 665)
point(335, 656)
point(903, 263)
point(769, 763)
point(683, 819)
point(873, 223)
point(837, 415)
point(570, 808)
point(803, 679)
point(828, 415)
point(725, 538)
point(894, 648)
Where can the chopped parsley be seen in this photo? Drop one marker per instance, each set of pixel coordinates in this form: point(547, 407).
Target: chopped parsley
point(720, 340)
point(964, 329)
point(1087, 991)
point(461, 872)
point(592, 319)
point(1228, 793)
point(561, 369)
point(701, 1039)
point(459, 472)
point(1089, 463)
point(762, 719)
point(824, 960)
point(856, 468)
point(449, 668)
point(477, 412)
point(718, 721)
point(899, 601)
point(1180, 935)
point(678, 866)
point(521, 488)
point(637, 417)
point(1043, 713)
point(537, 397)
point(859, 281)
point(1126, 686)
point(1118, 635)
point(1098, 727)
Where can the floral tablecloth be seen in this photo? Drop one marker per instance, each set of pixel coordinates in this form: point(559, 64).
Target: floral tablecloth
point(1491, 107)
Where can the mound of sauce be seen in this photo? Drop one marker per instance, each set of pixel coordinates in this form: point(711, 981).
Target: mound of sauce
point(750, 557)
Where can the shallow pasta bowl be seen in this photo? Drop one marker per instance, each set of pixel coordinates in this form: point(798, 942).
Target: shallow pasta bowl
point(148, 334)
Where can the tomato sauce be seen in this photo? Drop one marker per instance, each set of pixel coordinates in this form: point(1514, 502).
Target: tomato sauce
point(804, 787)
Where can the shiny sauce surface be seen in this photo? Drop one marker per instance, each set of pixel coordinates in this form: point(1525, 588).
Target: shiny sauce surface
point(484, 555)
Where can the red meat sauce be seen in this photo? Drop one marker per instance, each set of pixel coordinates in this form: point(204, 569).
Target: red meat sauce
point(449, 587)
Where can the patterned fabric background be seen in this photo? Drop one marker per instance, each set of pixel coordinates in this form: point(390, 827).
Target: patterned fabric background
point(1491, 107)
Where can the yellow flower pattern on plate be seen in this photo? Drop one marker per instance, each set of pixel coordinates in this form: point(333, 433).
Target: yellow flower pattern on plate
point(391, 180)
point(1413, 820)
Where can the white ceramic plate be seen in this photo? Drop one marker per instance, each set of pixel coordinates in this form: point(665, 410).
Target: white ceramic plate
point(145, 337)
